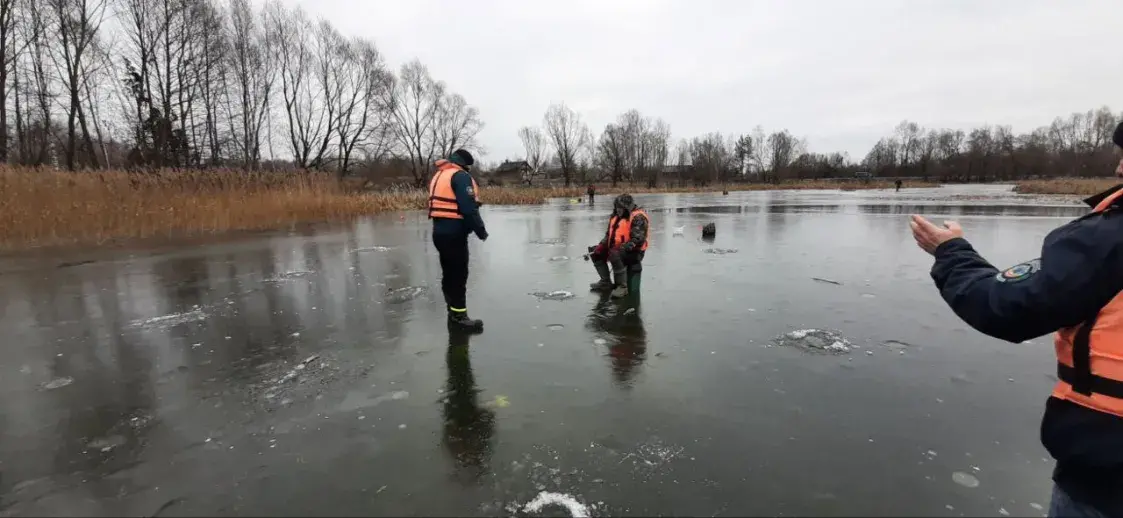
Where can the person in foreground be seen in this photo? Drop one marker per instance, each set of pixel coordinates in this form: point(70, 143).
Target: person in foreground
point(623, 246)
point(454, 208)
point(1073, 289)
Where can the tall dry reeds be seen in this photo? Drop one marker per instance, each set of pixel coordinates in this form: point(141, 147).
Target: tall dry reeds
point(1077, 186)
point(47, 207)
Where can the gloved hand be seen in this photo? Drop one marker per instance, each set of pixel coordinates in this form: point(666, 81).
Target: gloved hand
point(482, 234)
point(629, 246)
point(595, 249)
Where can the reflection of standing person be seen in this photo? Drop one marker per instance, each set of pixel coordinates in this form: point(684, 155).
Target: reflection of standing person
point(623, 246)
point(454, 208)
point(468, 428)
point(1074, 289)
point(627, 348)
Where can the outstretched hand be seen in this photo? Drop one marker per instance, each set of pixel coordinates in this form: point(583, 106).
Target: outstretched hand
point(929, 236)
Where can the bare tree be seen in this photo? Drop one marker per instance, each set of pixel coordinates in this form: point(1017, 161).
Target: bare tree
point(743, 153)
point(36, 134)
point(291, 30)
point(213, 62)
point(567, 134)
point(414, 107)
point(362, 114)
point(332, 54)
point(10, 49)
point(534, 143)
point(784, 149)
point(711, 158)
point(612, 152)
point(657, 144)
point(457, 124)
point(253, 76)
point(908, 135)
point(77, 23)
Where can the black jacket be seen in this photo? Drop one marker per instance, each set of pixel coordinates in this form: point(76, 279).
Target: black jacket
point(1078, 273)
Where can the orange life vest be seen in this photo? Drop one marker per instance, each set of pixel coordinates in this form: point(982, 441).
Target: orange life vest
point(442, 200)
point(1090, 355)
point(620, 230)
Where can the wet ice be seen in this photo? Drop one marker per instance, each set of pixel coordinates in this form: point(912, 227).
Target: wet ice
point(374, 249)
point(58, 383)
point(405, 294)
point(290, 275)
point(195, 315)
point(965, 479)
point(815, 340)
point(576, 509)
point(553, 295)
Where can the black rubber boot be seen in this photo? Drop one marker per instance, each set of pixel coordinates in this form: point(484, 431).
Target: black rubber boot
point(605, 283)
point(459, 321)
point(621, 289)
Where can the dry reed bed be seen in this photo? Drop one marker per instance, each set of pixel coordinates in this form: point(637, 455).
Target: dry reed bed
point(46, 207)
point(1077, 186)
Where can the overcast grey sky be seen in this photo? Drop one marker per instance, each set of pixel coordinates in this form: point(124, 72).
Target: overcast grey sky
point(839, 73)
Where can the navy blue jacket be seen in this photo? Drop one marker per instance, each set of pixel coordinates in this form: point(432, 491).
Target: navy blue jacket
point(1078, 273)
point(469, 208)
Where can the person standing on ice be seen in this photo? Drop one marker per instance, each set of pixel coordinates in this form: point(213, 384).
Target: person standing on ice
point(454, 208)
point(1074, 290)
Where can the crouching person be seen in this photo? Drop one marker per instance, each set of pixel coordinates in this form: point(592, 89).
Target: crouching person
point(622, 248)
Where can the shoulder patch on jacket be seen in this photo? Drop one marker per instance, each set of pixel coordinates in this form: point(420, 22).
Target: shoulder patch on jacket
point(1019, 272)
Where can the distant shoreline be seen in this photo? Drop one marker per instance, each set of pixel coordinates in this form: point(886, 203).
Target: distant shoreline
point(54, 209)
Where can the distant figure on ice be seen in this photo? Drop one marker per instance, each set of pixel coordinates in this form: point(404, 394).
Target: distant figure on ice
point(591, 191)
point(898, 183)
point(623, 246)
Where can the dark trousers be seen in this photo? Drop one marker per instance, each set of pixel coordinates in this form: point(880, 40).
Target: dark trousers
point(620, 261)
point(453, 249)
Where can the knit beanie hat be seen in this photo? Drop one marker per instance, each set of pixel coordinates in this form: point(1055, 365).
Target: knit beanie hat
point(462, 158)
point(1118, 137)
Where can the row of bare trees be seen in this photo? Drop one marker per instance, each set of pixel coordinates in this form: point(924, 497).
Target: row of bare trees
point(1077, 145)
point(202, 83)
point(636, 148)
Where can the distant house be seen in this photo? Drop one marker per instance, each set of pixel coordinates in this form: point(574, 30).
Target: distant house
point(865, 175)
point(512, 171)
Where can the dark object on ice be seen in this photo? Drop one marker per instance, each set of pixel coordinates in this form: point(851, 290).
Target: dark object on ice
point(75, 263)
point(828, 281)
point(725, 192)
point(710, 230)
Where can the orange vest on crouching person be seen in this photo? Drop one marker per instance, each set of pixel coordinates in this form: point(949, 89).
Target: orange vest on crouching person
point(620, 230)
point(1090, 355)
point(442, 199)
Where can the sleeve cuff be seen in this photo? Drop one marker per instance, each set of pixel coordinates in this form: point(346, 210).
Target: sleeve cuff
point(951, 245)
